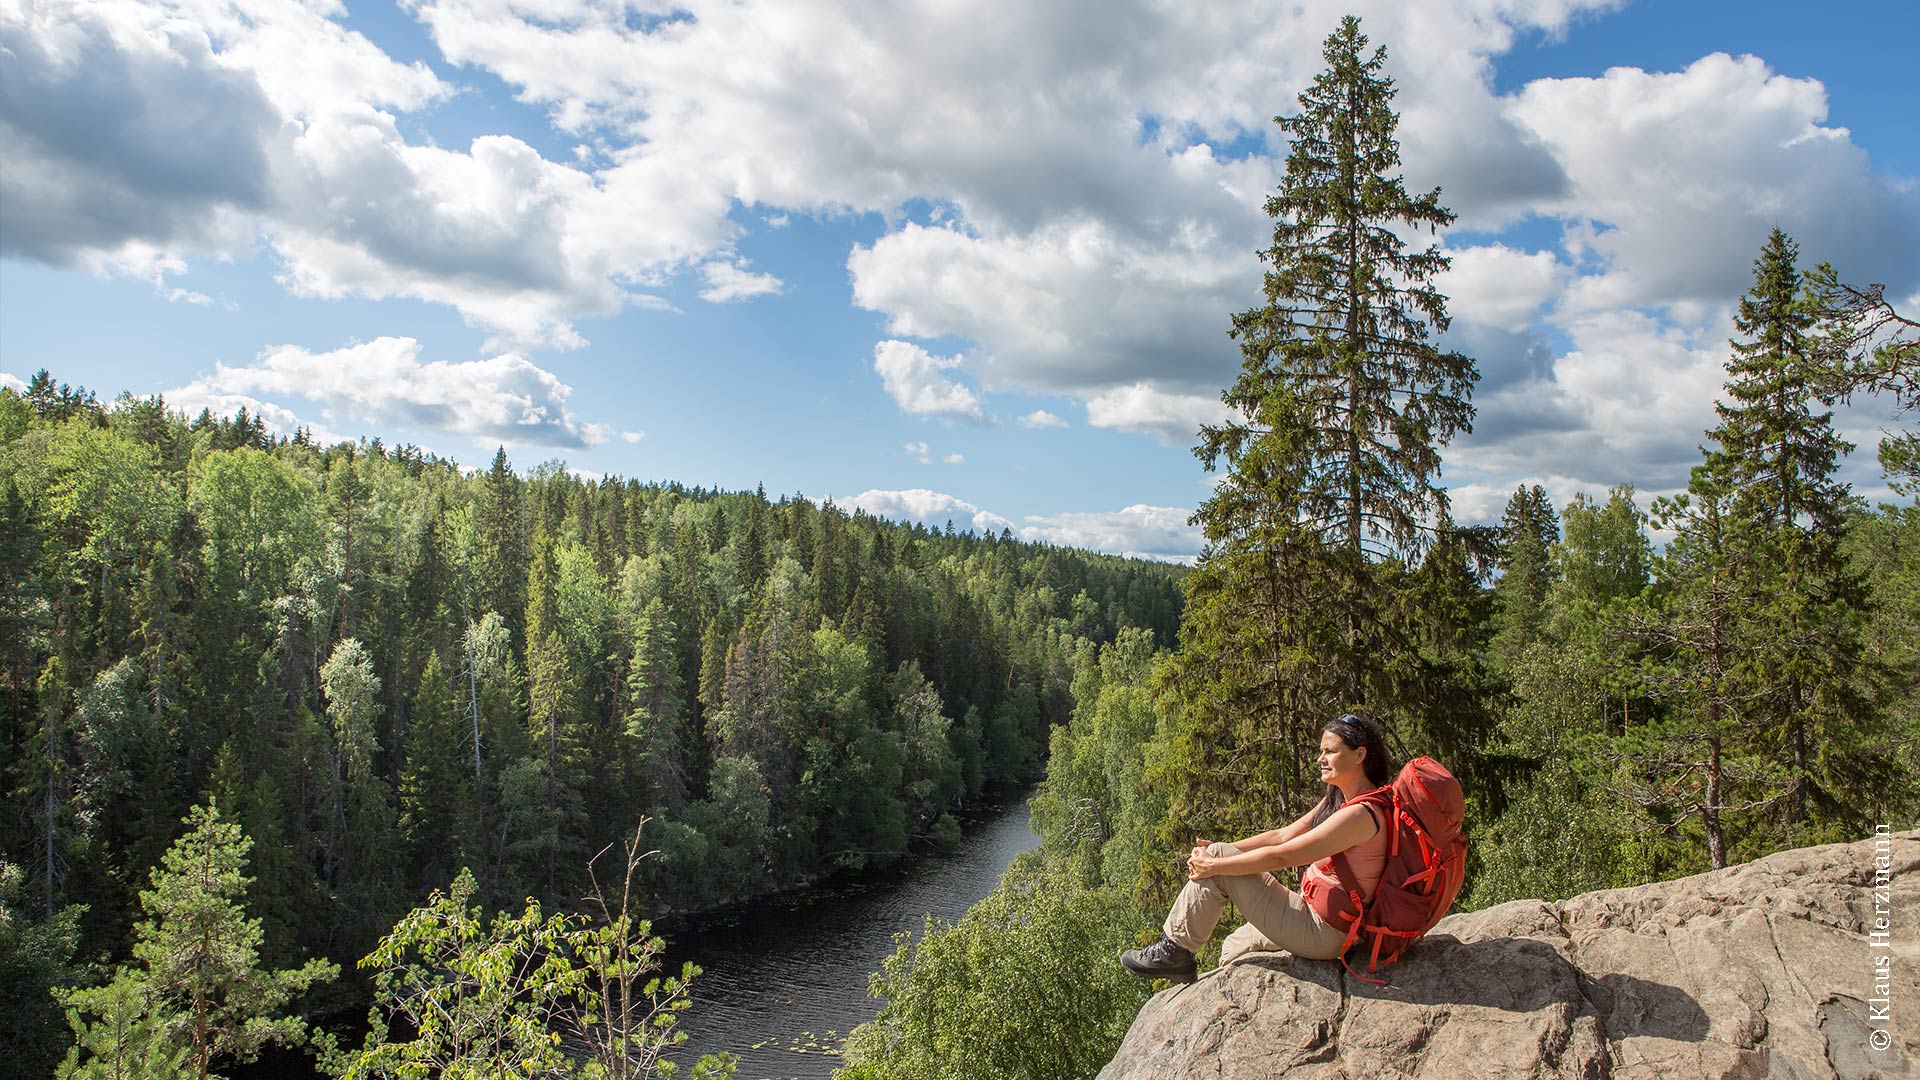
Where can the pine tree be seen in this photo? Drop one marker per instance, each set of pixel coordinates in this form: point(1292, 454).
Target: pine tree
point(36, 957)
point(196, 969)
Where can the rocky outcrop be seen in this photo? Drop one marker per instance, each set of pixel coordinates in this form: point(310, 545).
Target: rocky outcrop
point(1764, 970)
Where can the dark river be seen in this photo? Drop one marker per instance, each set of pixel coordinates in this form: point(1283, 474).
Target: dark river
point(786, 981)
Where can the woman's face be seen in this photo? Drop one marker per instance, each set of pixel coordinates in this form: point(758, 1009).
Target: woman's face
point(1339, 763)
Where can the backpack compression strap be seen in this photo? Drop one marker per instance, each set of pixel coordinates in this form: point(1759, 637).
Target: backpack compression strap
point(1352, 882)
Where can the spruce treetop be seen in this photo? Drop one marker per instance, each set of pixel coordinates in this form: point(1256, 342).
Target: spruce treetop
point(1341, 351)
point(1772, 447)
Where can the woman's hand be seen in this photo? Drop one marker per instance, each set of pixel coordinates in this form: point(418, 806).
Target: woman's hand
point(1200, 863)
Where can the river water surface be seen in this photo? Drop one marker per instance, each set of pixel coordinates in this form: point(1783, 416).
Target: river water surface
point(786, 980)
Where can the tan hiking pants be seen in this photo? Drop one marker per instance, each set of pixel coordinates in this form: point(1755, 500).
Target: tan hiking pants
point(1277, 917)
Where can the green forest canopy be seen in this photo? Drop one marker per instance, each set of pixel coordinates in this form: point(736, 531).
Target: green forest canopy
point(397, 679)
point(385, 670)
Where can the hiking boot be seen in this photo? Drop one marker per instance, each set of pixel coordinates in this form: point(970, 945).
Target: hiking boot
point(1160, 960)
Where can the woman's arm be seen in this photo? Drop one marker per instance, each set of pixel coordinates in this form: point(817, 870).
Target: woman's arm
point(1273, 836)
point(1346, 828)
point(1300, 825)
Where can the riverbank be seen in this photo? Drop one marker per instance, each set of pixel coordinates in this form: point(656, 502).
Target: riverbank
point(672, 923)
point(785, 978)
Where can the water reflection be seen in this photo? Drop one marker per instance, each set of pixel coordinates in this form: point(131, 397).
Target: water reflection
point(784, 982)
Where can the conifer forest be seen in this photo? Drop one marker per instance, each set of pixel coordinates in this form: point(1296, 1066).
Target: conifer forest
point(294, 731)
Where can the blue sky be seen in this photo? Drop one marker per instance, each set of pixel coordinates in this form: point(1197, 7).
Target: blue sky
point(965, 261)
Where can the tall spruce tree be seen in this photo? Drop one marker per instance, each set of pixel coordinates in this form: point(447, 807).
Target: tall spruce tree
point(435, 789)
point(503, 538)
point(1528, 531)
point(1345, 331)
point(653, 738)
point(1776, 449)
point(1332, 468)
point(1776, 453)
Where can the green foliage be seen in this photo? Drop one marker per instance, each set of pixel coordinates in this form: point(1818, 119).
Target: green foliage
point(1563, 831)
point(196, 993)
point(934, 778)
point(1884, 548)
point(128, 1040)
point(1765, 614)
point(475, 996)
point(386, 668)
point(1024, 985)
point(1344, 332)
point(1311, 596)
point(358, 844)
point(1094, 815)
point(718, 849)
point(259, 517)
point(1605, 555)
point(435, 787)
point(1528, 531)
point(457, 995)
point(35, 958)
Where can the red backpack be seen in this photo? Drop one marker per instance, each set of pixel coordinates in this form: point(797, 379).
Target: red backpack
point(1422, 812)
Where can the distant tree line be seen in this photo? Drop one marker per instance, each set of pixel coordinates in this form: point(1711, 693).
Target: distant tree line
point(384, 670)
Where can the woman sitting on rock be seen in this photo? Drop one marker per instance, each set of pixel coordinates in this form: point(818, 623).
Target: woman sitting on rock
point(1353, 760)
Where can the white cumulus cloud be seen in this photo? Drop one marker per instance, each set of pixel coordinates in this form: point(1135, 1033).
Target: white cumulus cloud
point(1041, 418)
point(918, 382)
point(384, 382)
point(1675, 179)
point(1629, 401)
point(730, 281)
point(1140, 531)
point(1147, 532)
point(928, 507)
point(1174, 419)
point(1072, 193)
point(1497, 286)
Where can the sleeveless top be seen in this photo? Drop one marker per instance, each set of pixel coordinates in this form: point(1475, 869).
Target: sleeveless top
point(1369, 862)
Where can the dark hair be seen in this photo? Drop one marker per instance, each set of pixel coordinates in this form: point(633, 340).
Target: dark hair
point(1359, 733)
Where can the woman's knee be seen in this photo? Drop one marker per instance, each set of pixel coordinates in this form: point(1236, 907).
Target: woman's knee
point(1219, 848)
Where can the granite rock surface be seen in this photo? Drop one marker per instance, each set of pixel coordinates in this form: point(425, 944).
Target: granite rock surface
point(1762, 970)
